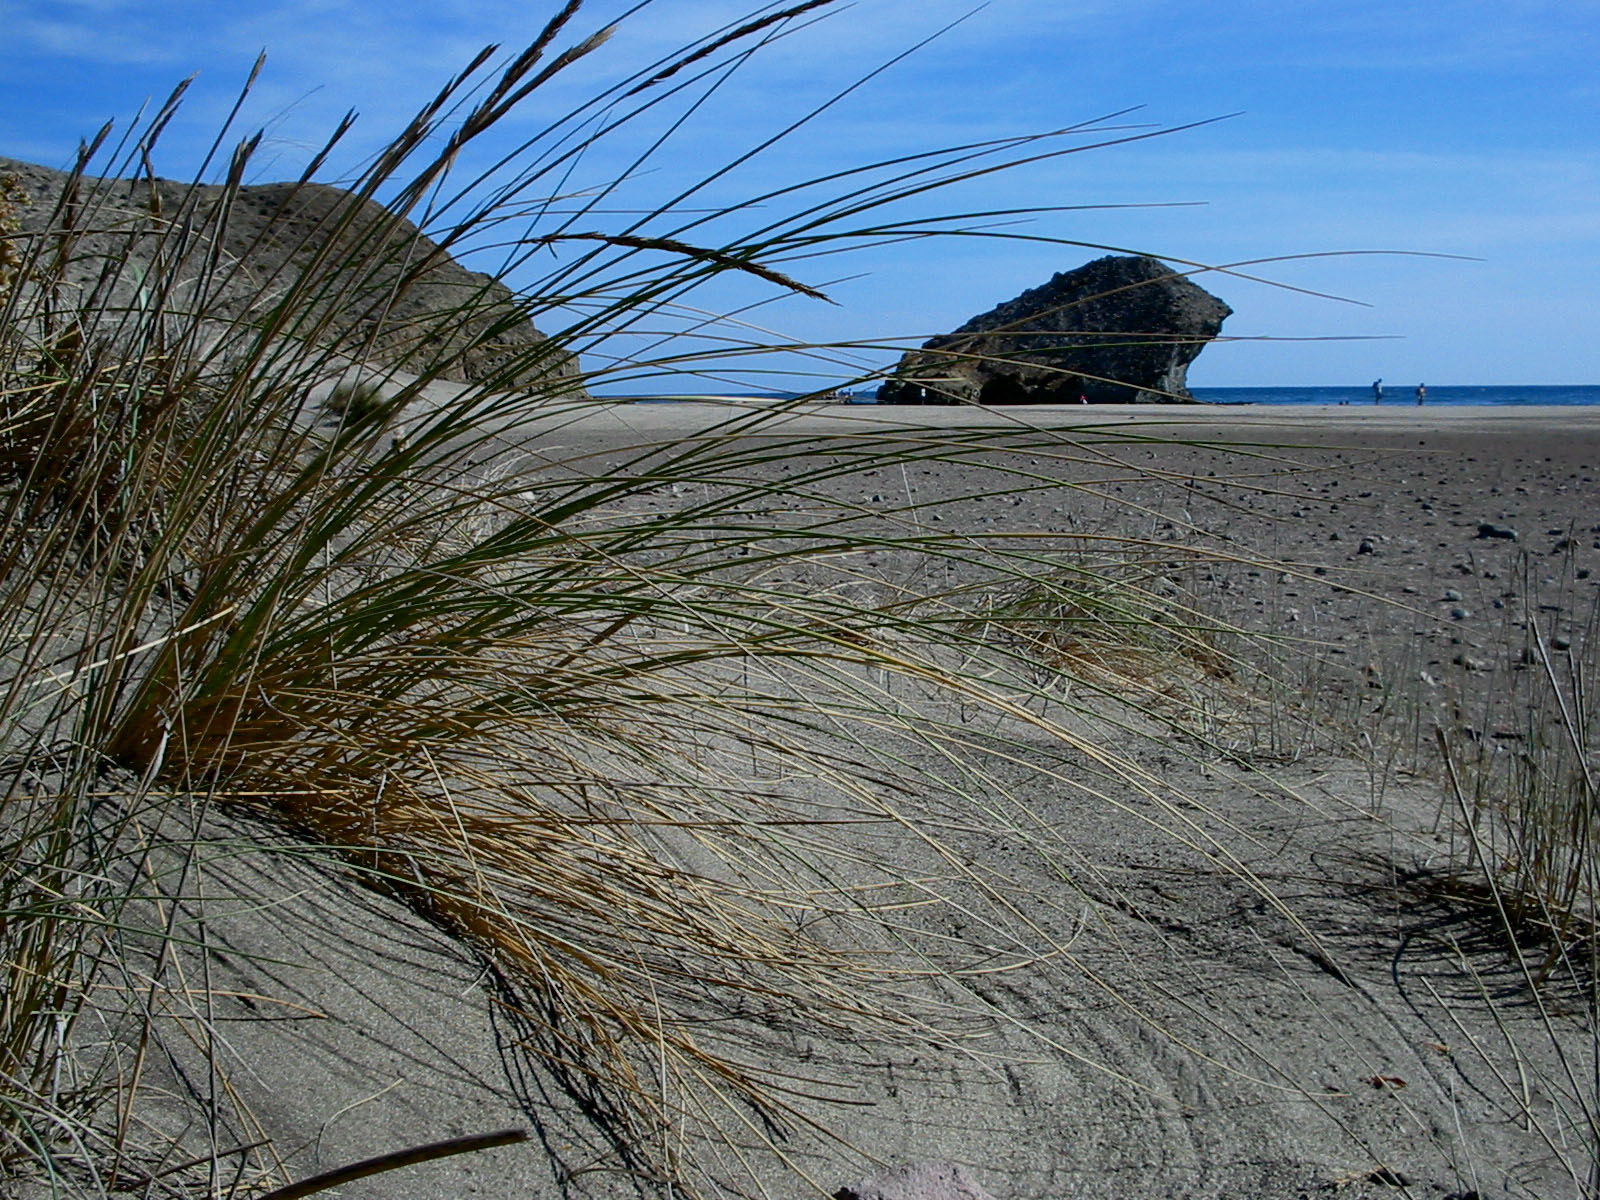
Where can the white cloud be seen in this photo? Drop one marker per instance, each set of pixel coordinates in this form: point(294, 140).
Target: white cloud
point(65, 39)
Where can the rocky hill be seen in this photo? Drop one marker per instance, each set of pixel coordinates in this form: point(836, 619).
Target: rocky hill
point(373, 285)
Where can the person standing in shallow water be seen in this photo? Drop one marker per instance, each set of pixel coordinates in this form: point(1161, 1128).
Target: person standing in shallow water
point(1422, 394)
point(1377, 391)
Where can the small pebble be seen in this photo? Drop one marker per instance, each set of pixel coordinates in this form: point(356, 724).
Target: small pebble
point(1460, 614)
point(1452, 594)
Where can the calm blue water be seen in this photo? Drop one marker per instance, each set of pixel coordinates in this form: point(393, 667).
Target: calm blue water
point(1392, 394)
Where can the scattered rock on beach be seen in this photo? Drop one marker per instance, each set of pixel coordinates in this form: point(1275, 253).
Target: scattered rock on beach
point(1119, 330)
point(920, 1181)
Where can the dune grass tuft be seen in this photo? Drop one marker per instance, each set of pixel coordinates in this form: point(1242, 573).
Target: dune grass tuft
point(516, 692)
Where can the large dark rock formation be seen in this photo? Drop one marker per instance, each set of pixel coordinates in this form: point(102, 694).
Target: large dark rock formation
point(373, 286)
point(1120, 330)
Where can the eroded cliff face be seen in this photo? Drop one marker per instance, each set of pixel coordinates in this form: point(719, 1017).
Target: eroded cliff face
point(1119, 330)
point(368, 284)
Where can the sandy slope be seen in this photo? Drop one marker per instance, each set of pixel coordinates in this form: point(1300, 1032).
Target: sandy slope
point(1191, 1039)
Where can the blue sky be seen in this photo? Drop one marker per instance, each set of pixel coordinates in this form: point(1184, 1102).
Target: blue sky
point(1456, 127)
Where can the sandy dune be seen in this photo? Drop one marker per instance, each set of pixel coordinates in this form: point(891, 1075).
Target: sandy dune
point(1196, 1037)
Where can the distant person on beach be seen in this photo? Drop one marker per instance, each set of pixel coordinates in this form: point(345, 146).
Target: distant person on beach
point(1377, 391)
point(1422, 394)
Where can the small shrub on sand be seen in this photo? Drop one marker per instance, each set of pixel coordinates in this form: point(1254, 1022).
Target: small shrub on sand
point(1511, 735)
point(1505, 741)
point(353, 401)
point(1524, 771)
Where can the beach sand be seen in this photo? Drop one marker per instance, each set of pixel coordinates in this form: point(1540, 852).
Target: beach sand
point(1199, 1040)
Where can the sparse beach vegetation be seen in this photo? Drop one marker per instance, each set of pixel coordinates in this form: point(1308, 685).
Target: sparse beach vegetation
point(729, 757)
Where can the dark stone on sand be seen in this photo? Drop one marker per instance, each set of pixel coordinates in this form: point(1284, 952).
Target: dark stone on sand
point(1487, 529)
point(920, 1181)
point(1120, 330)
point(382, 291)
